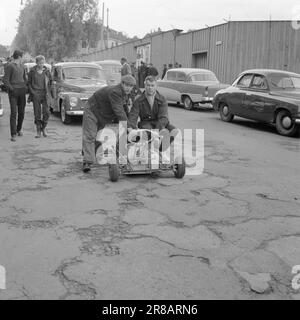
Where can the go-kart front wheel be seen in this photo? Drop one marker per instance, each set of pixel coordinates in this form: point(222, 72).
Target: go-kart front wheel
point(179, 169)
point(114, 173)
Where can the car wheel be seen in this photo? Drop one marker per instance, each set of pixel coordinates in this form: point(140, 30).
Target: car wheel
point(188, 103)
point(114, 173)
point(65, 118)
point(225, 113)
point(179, 169)
point(285, 125)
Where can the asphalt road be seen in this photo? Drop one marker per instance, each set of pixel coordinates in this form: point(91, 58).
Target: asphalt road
point(232, 232)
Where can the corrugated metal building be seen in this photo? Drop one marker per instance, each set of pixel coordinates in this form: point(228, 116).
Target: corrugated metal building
point(226, 49)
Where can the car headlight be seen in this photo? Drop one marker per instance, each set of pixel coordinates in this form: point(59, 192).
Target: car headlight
point(73, 101)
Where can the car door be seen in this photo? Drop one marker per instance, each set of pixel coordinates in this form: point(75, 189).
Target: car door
point(257, 104)
point(236, 99)
point(169, 87)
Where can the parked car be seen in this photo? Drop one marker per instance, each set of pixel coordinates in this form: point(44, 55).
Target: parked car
point(112, 70)
point(73, 84)
point(190, 87)
point(1, 108)
point(271, 96)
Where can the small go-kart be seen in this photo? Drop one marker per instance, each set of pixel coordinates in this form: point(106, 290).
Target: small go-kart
point(142, 156)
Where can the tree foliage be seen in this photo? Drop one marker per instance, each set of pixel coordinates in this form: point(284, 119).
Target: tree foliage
point(4, 52)
point(55, 28)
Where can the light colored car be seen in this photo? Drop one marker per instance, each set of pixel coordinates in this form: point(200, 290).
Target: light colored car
point(73, 83)
point(190, 87)
point(112, 70)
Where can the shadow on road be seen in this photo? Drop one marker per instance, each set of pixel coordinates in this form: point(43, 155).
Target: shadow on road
point(258, 126)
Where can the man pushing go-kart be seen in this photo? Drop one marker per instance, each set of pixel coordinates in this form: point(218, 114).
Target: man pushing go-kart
point(105, 106)
point(150, 107)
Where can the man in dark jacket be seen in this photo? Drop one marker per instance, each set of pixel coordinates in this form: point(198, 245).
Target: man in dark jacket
point(15, 81)
point(152, 109)
point(39, 84)
point(152, 71)
point(105, 106)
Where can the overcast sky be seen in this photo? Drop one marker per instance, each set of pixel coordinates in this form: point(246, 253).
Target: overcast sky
point(138, 17)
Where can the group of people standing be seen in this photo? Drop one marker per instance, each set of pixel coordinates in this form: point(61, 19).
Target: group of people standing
point(140, 73)
point(37, 83)
point(145, 70)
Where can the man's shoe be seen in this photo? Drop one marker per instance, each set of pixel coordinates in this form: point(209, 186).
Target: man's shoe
point(13, 138)
point(20, 134)
point(44, 132)
point(86, 167)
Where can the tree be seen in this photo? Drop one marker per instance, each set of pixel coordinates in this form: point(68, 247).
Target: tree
point(4, 52)
point(54, 28)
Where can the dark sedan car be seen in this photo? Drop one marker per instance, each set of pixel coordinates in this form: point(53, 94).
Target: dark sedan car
point(271, 96)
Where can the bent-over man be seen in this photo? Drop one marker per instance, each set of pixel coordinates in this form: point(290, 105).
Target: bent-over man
point(105, 106)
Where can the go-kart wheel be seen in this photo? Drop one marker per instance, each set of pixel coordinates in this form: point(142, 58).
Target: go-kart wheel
point(179, 169)
point(113, 172)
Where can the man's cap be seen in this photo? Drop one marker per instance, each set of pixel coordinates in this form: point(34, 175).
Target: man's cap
point(128, 79)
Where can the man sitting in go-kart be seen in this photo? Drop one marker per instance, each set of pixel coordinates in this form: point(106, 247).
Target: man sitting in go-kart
point(152, 109)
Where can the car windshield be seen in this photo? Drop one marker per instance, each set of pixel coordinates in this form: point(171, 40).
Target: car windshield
point(283, 82)
point(83, 73)
point(111, 68)
point(203, 77)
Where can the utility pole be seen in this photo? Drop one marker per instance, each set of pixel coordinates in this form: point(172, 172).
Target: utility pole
point(107, 29)
point(102, 45)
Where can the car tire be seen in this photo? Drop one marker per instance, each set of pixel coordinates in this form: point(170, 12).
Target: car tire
point(225, 113)
point(188, 104)
point(114, 173)
point(179, 169)
point(65, 118)
point(285, 125)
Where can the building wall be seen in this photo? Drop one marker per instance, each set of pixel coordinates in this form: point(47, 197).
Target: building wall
point(184, 45)
point(226, 49)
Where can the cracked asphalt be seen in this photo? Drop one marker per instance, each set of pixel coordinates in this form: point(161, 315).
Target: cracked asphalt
point(232, 232)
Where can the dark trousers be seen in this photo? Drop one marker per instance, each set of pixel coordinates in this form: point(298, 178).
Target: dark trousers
point(41, 110)
point(89, 133)
point(17, 101)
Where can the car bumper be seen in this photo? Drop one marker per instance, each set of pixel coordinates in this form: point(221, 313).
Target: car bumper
point(207, 100)
point(74, 112)
point(297, 121)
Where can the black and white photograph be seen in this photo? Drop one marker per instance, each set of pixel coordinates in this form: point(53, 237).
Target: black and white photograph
point(149, 151)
